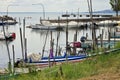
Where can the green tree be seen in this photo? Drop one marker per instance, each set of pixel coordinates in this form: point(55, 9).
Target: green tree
point(115, 4)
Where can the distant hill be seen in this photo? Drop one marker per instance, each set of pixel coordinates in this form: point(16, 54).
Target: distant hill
point(105, 11)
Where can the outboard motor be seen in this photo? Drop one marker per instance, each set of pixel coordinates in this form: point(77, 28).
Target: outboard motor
point(82, 39)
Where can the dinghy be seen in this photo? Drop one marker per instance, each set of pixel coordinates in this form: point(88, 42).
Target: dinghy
point(37, 60)
point(7, 36)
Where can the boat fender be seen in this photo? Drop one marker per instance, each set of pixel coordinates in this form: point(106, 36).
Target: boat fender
point(13, 35)
point(34, 57)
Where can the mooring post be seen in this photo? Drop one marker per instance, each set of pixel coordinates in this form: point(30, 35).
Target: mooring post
point(9, 63)
point(114, 36)
point(58, 35)
point(102, 37)
point(51, 47)
point(22, 44)
point(66, 36)
point(24, 36)
point(74, 48)
point(25, 50)
point(109, 38)
point(13, 58)
point(49, 61)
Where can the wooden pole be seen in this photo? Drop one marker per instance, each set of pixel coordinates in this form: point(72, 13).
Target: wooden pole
point(102, 38)
point(109, 37)
point(114, 36)
point(25, 50)
point(49, 53)
point(9, 63)
point(24, 29)
point(86, 36)
point(13, 58)
point(51, 47)
point(49, 61)
point(19, 21)
point(66, 36)
point(75, 35)
point(40, 20)
point(93, 27)
point(45, 43)
point(22, 44)
point(77, 24)
point(58, 35)
point(74, 48)
point(24, 35)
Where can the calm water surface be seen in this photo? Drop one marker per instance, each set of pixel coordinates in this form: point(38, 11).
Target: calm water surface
point(35, 38)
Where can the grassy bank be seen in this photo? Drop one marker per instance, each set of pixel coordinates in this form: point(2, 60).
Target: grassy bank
point(85, 70)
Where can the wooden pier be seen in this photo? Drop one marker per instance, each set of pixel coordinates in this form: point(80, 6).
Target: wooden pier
point(82, 20)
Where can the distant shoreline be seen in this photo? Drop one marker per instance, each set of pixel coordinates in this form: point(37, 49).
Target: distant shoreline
point(102, 11)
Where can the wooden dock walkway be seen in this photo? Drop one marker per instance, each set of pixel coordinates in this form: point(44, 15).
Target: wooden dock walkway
point(82, 20)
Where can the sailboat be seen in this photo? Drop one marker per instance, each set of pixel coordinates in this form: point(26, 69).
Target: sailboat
point(2, 23)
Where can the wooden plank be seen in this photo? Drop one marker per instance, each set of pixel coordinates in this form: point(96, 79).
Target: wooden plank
point(82, 20)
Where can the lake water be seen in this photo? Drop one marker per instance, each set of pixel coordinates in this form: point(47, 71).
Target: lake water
point(35, 38)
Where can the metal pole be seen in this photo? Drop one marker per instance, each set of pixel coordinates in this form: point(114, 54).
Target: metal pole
point(43, 11)
point(8, 8)
point(42, 8)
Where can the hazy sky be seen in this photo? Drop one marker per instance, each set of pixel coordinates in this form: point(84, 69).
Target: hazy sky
point(52, 5)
